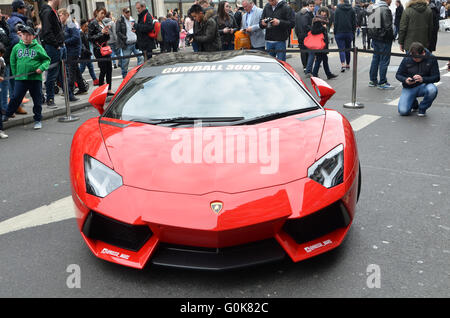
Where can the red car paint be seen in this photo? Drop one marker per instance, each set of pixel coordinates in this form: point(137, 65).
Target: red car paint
point(173, 200)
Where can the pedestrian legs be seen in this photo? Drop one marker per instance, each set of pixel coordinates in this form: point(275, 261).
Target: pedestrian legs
point(380, 62)
point(52, 74)
point(409, 95)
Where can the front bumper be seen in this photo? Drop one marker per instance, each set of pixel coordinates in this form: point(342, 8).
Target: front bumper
point(134, 227)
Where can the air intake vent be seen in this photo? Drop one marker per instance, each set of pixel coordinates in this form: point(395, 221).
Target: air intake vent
point(315, 225)
point(110, 231)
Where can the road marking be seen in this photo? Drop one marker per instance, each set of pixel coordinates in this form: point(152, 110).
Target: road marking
point(363, 121)
point(114, 77)
point(54, 212)
point(63, 209)
point(446, 75)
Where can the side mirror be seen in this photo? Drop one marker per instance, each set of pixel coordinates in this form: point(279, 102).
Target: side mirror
point(98, 98)
point(322, 89)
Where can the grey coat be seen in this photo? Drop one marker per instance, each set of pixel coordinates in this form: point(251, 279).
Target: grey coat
point(257, 35)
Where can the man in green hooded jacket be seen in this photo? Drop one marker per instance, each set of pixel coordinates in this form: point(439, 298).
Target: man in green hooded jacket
point(416, 25)
point(28, 61)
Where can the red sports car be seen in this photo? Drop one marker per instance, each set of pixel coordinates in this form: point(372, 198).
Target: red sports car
point(214, 161)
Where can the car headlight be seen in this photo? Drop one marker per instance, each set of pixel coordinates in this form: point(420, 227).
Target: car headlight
point(329, 170)
point(100, 180)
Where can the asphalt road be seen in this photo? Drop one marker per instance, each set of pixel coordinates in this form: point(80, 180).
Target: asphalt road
point(402, 222)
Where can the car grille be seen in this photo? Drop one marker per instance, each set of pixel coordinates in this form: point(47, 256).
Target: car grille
point(218, 259)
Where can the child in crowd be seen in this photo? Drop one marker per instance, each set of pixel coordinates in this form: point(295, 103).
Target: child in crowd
point(28, 60)
point(182, 44)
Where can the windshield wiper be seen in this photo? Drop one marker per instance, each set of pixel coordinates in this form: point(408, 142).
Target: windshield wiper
point(273, 116)
point(186, 120)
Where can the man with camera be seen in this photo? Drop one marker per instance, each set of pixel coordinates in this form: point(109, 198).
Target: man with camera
point(417, 75)
point(277, 19)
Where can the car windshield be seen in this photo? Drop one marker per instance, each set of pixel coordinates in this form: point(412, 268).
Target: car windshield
point(239, 92)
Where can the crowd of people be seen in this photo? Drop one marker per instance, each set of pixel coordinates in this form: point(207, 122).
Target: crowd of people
point(414, 27)
point(28, 50)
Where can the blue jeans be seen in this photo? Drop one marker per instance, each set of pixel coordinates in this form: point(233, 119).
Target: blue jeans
point(20, 89)
point(130, 50)
point(90, 67)
point(321, 57)
point(4, 86)
point(344, 41)
point(116, 52)
point(380, 62)
point(427, 91)
point(52, 74)
point(309, 64)
point(277, 46)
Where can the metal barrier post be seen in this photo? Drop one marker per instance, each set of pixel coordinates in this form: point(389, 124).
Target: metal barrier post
point(354, 103)
point(69, 117)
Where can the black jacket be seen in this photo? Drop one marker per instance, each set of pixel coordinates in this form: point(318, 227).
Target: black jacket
point(121, 33)
point(398, 15)
point(230, 23)
point(170, 31)
point(85, 49)
point(428, 68)
point(285, 14)
point(96, 37)
point(206, 33)
point(303, 23)
point(144, 42)
point(381, 30)
point(52, 32)
point(344, 19)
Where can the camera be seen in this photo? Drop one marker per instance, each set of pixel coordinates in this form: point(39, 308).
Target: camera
point(268, 21)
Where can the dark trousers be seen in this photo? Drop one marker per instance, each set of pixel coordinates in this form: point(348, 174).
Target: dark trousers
point(321, 57)
point(344, 41)
point(303, 55)
point(148, 53)
point(20, 89)
point(105, 71)
point(170, 46)
point(52, 74)
point(75, 74)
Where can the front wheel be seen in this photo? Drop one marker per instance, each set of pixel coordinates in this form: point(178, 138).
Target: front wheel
point(359, 183)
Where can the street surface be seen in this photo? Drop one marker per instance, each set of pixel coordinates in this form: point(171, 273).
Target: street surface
point(401, 227)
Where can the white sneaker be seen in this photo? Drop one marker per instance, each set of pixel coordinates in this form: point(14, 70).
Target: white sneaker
point(37, 125)
point(3, 135)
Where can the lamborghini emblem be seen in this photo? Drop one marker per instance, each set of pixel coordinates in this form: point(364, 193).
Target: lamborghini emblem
point(216, 206)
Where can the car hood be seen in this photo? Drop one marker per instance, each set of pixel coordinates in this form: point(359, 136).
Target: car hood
point(199, 160)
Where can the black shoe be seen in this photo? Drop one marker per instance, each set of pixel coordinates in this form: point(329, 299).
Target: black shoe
point(342, 69)
point(81, 92)
point(74, 99)
point(51, 102)
point(415, 106)
point(331, 76)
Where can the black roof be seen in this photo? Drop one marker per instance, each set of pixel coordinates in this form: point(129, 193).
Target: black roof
point(238, 56)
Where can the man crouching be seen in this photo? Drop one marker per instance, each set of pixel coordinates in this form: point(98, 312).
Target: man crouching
point(417, 75)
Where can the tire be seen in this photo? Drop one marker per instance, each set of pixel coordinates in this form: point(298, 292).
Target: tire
point(359, 184)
